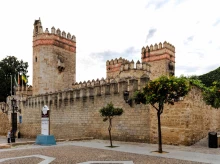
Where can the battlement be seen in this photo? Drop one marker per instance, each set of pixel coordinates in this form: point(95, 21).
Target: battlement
point(158, 52)
point(119, 67)
point(24, 91)
point(90, 90)
point(110, 81)
point(56, 37)
point(158, 47)
point(116, 61)
point(135, 66)
point(56, 32)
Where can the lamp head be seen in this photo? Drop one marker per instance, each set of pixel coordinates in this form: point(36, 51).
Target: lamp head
point(13, 102)
point(126, 95)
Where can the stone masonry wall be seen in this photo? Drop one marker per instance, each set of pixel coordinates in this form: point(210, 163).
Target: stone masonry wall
point(5, 125)
point(31, 120)
point(47, 77)
point(75, 113)
point(159, 68)
point(185, 122)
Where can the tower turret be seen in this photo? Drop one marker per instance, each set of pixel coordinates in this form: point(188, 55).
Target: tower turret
point(54, 59)
point(161, 57)
point(37, 27)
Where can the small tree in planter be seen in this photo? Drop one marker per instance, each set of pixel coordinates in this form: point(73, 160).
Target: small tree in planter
point(159, 92)
point(109, 112)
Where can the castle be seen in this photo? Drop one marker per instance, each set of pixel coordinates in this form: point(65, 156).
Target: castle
point(54, 61)
point(74, 106)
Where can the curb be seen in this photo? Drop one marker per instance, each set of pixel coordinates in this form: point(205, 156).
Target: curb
point(6, 146)
point(79, 139)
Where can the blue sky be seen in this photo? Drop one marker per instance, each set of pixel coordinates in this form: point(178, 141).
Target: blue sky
point(109, 29)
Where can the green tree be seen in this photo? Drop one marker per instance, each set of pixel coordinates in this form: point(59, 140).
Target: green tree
point(9, 69)
point(109, 112)
point(210, 77)
point(212, 95)
point(3, 86)
point(162, 91)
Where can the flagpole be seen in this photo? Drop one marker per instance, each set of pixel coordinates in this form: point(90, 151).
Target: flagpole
point(11, 85)
point(22, 81)
point(18, 80)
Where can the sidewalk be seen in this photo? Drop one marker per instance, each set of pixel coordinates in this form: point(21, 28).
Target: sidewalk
point(198, 152)
point(147, 149)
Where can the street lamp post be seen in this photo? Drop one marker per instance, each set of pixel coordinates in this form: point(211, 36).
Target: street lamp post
point(13, 119)
point(14, 109)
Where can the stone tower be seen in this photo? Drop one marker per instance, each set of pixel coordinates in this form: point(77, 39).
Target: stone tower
point(161, 58)
point(54, 59)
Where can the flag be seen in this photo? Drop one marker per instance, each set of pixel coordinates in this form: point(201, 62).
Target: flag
point(18, 78)
point(24, 78)
point(16, 83)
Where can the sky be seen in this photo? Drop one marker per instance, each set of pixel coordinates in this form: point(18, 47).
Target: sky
point(109, 29)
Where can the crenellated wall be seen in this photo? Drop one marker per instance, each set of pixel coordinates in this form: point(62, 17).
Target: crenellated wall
point(121, 68)
point(75, 112)
point(113, 67)
point(156, 60)
point(24, 91)
point(55, 38)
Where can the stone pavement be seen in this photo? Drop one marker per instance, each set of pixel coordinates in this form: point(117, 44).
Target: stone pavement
point(148, 149)
point(126, 151)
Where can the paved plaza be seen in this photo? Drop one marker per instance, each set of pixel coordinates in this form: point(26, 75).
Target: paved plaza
point(97, 152)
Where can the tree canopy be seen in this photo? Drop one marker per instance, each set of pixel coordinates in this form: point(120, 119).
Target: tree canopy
point(212, 95)
point(161, 91)
point(170, 90)
point(210, 85)
point(108, 113)
point(10, 67)
point(210, 77)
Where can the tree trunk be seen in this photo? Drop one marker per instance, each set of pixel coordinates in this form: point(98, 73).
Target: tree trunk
point(109, 131)
point(159, 134)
